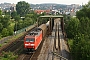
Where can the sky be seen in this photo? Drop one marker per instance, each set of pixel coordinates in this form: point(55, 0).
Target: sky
point(68, 2)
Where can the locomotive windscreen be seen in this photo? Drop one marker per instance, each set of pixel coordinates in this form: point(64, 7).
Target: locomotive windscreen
point(30, 39)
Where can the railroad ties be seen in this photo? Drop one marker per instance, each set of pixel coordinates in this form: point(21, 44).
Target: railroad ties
point(56, 47)
point(59, 47)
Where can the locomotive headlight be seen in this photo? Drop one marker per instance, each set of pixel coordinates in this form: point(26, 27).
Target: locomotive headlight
point(32, 44)
point(26, 44)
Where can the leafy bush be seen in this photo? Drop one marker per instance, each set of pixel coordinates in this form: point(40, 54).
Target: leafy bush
point(8, 56)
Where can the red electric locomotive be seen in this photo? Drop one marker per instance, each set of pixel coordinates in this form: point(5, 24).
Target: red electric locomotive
point(34, 38)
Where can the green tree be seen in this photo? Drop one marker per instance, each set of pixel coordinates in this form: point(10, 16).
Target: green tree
point(85, 25)
point(22, 8)
point(84, 12)
point(20, 24)
point(29, 21)
point(1, 27)
point(25, 22)
point(72, 27)
point(32, 17)
point(5, 21)
point(17, 18)
point(0, 36)
point(14, 14)
point(10, 30)
point(5, 32)
point(0, 12)
point(80, 48)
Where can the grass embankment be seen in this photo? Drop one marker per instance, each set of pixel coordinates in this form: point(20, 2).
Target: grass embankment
point(70, 43)
point(12, 39)
point(10, 55)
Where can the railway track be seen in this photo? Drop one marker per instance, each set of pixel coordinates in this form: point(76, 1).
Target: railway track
point(31, 55)
point(57, 38)
point(25, 56)
point(15, 46)
point(59, 54)
point(56, 47)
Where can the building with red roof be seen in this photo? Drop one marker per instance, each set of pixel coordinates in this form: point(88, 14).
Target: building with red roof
point(42, 11)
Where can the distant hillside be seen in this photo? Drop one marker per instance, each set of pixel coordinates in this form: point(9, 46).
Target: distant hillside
point(48, 6)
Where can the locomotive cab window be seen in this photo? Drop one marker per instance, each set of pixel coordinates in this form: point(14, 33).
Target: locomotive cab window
point(30, 40)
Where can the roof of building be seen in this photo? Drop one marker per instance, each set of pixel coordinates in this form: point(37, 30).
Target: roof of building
point(41, 11)
point(52, 16)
